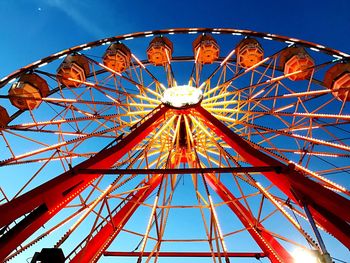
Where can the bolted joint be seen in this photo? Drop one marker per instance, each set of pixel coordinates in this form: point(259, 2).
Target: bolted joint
point(326, 258)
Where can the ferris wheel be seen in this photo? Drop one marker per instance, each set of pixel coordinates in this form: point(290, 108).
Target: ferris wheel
point(193, 143)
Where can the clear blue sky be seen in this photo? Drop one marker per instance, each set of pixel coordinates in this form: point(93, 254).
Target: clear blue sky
point(33, 29)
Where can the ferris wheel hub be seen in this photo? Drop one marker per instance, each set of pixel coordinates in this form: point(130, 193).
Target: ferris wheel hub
point(182, 96)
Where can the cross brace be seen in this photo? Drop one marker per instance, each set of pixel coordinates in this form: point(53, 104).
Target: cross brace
point(257, 169)
point(185, 254)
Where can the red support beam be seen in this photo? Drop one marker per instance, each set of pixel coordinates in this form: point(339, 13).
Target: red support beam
point(271, 247)
point(327, 207)
point(43, 202)
point(230, 170)
point(186, 254)
point(55, 194)
point(95, 247)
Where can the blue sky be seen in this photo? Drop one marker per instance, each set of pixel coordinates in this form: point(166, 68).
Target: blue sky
point(33, 29)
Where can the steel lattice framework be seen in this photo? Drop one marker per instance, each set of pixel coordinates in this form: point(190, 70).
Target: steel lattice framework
point(101, 167)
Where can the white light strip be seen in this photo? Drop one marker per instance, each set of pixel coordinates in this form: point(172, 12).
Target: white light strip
point(228, 57)
point(321, 178)
point(138, 61)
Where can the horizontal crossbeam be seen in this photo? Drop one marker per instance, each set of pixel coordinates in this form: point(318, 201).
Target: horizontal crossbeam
point(185, 254)
point(257, 169)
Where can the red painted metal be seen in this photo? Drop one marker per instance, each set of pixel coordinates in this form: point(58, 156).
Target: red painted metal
point(230, 170)
point(43, 202)
point(271, 247)
point(53, 195)
point(185, 254)
point(327, 207)
point(93, 250)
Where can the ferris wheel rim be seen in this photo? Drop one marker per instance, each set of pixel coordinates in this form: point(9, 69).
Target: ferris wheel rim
point(85, 46)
